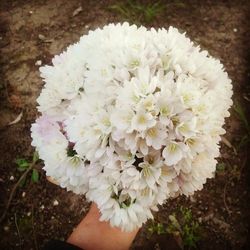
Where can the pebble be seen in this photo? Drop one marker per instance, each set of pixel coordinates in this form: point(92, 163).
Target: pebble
point(41, 37)
point(38, 63)
point(31, 12)
point(42, 207)
point(77, 11)
point(12, 178)
point(208, 217)
point(23, 194)
point(235, 30)
point(86, 26)
point(192, 199)
point(55, 203)
point(29, 214)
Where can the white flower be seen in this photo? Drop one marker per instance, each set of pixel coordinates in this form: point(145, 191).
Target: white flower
point(150, 174)
point(148, 103)
point(156, 136)
point(186, 128)
point(144, 85)
point(173, 152)
point(142, 120)
point(121, 118)
point(165, 107)
point(102, 122)
point(48, 99)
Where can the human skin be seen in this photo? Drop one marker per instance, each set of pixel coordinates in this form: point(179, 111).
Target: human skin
point(93, 234)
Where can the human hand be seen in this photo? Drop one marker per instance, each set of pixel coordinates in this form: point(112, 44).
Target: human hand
point(94, 234)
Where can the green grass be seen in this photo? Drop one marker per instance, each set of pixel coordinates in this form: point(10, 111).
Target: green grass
point(137, 12)
point(241, 115)
point(182, 225)
point(156, 228)
point(220, 167)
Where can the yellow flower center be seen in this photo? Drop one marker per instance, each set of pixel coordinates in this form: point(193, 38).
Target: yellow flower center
point(172, 148)
point(75, 160)
point(104, 72)
point(165, 111)
point(145, 191)
point(186, 97)
point(146, 171)
point(106, 121)
point(134, 63)
point(141, 119)
point(148, 104)
point(152, 132)
point(201, 108)
point(175, 120)
point(184, 128)
point(190, 141)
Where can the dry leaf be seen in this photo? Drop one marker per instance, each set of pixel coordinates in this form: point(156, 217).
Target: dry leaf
point(19, 117)
point(50, 179)
point(228, 143)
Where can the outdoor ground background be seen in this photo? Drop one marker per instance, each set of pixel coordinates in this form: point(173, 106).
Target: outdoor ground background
point(36, 30)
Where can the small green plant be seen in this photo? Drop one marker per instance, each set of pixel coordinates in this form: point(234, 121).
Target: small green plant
point(25, 165)
point(240, 112)
point(156, 227)
point(220, 167)
point(137, 12)
point(235, 172)
point(186, 227)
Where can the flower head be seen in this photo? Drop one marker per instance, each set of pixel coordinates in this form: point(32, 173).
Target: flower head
point(131, 117)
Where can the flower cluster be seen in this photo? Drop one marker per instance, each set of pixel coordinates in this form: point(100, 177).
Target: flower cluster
point(131, 117)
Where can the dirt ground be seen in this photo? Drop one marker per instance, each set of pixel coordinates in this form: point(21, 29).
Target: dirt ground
point(36, 30)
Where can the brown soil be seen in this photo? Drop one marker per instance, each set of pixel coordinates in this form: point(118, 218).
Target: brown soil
point(32, 30)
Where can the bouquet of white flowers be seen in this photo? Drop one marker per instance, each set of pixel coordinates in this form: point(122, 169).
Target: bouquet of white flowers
point(131, 117)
